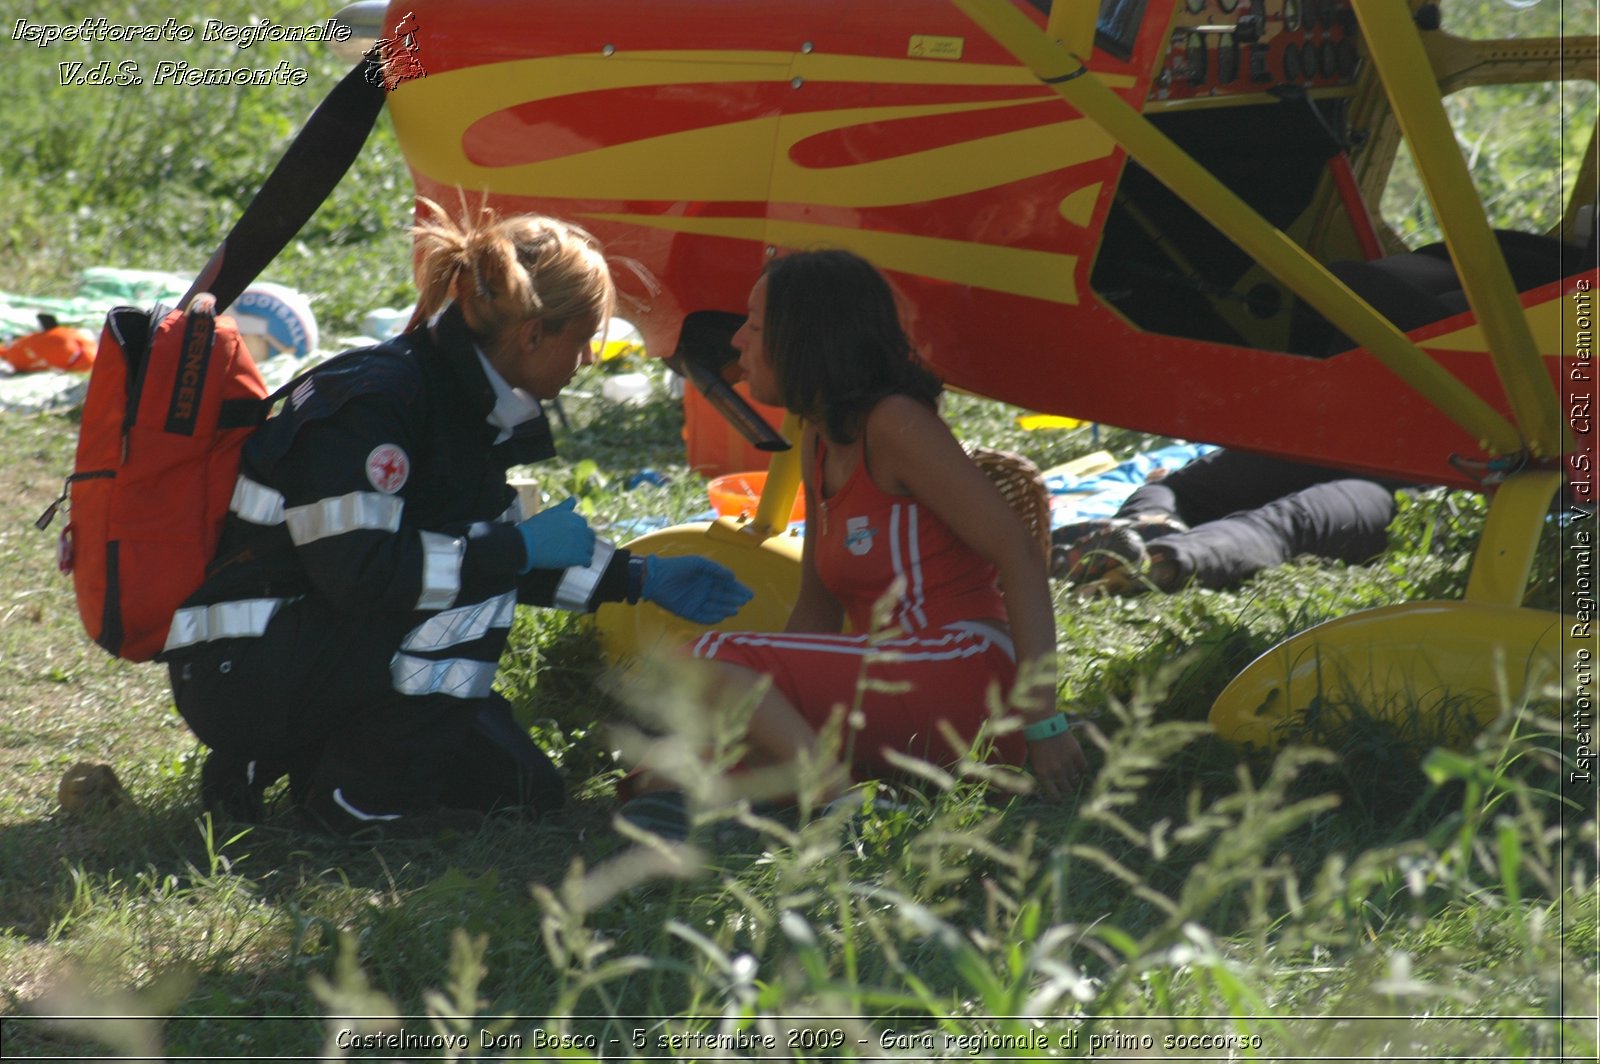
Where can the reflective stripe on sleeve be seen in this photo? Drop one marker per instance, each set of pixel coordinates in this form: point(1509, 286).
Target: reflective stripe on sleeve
point(221, 620)
point(462, 625)
point(441, 570)
point(456, 677)
point(577, 585)
point(344, 513)
point(256, 503)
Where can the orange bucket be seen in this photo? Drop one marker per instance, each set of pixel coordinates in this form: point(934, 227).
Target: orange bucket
point(738, 493)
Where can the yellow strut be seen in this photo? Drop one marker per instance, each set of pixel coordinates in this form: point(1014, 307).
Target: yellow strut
point(783, 483)
point(1396, 48)
point(777, 495)
point(1504, 558)
point(1072, 23)
point(1286, 260)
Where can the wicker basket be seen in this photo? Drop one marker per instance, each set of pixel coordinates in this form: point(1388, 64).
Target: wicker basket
point(1020, 481)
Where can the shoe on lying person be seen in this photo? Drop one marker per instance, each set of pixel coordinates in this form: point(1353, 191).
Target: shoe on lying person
point(1107, 546)
point(1115, 545)
point(1161, 571)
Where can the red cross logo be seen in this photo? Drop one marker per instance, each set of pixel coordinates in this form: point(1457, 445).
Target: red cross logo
point(388, 468)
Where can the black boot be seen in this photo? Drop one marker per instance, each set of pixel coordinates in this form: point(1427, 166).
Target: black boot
point(229, 788)
point(232, 785)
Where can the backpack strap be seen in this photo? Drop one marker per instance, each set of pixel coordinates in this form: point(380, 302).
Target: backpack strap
point(199, 329)
point(298, 185)
point(300, 182)
point(244, 413)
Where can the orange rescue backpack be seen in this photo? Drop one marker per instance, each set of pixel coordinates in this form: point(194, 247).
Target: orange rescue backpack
point(172, 398)
point(174, 395)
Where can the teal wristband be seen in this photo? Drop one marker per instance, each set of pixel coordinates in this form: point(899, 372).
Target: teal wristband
point(1048, 728)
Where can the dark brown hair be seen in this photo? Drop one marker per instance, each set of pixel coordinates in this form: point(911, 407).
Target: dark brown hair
point(833, 334)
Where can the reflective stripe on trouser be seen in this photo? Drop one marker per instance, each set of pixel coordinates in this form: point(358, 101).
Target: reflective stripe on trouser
point(415, 674)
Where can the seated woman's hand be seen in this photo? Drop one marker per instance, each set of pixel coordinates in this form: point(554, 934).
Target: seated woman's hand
point(1058, 765)
point(696, 589)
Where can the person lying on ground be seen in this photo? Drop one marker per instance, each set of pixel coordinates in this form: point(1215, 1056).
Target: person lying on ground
point(1220, 519)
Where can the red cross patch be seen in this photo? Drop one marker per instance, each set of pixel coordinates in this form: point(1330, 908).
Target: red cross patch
point(388, 468)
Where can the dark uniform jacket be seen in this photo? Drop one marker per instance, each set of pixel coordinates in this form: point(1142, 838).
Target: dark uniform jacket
point(379, 489)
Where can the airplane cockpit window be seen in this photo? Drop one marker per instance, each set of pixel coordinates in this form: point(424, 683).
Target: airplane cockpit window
point(1305, 138)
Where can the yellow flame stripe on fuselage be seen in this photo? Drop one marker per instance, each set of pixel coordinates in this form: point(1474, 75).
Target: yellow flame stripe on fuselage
point(1045, 275)
point(1554, 324)
point(432, 115)
point(751, 156)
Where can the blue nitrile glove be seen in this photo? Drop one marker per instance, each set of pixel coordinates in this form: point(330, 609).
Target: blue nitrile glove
point(696, 589)
point(557, 537)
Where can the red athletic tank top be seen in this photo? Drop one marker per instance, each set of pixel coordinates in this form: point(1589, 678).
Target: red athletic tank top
point(868, 539)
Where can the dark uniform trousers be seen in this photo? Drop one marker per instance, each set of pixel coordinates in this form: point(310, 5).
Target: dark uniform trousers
point(314, 698)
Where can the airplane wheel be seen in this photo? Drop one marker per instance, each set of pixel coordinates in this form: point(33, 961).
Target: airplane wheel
point(1456, 664)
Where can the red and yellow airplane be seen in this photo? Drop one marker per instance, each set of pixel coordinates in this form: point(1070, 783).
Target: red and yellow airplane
point(1156, 214)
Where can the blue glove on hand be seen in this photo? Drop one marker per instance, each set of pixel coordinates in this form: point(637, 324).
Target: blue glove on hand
point(696, 589)
point(557, 537)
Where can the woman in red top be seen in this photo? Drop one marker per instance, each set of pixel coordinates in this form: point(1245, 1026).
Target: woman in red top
point(906, 538)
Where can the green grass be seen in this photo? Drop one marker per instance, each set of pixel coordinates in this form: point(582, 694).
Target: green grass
point(1523, 144)
point(1365, 895)
point(1193, 891)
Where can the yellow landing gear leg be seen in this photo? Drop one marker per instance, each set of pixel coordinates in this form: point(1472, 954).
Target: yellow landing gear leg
point(1469, 659)
point(1504, 558)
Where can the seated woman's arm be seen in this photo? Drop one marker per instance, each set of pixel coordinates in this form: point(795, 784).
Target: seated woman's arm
point(914, 452)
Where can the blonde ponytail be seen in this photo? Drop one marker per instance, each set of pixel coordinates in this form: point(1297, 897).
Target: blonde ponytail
point(503, 271)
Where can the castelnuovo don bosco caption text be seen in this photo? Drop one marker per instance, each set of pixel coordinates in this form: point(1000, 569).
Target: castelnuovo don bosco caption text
point(174, 72)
